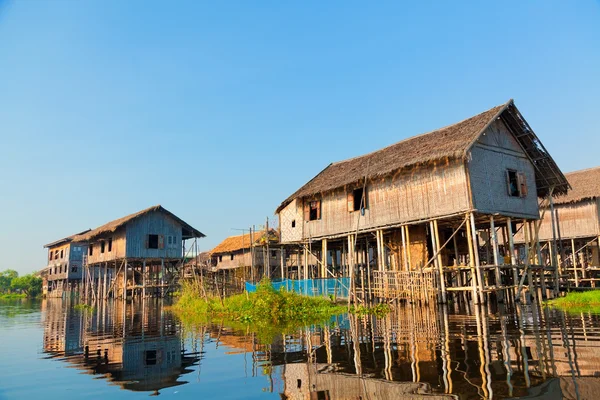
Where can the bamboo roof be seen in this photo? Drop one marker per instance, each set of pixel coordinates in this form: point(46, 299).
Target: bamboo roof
point(65, 240)
point(451, 142)
point(188, 231)
point(240, 242)
point(585, 184)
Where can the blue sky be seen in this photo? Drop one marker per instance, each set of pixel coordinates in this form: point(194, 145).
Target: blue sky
point(220, 110)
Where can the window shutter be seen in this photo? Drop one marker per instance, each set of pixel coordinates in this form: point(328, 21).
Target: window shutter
point(318, 203)
point(161, 241)
point(522, 184)
point(508, 183)
point(306, 210)
point(147, 241)
point(350, 197)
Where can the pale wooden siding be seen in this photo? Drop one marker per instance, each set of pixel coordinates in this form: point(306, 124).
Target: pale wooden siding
point(412, 195)
point(244, 259)
point(494, 153)
point(292, 212)
point(576, 220)
point(154, 223)
point(117, 252)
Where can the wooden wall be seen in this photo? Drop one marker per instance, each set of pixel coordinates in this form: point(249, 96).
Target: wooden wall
point(577, 220)
point(117, 251)
point(154, 223)
point(491, 156)
point(72, 257)
point(243, 259)
point(410, 195)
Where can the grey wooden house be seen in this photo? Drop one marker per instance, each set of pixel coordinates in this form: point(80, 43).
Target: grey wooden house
point(141, 253)
point(575, 228)
point(418, 206)
point(63, 273)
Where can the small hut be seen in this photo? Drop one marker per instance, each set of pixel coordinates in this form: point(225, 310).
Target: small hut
point(575, 228)
point(399, 219)
point(144, 250)
point(250, 256)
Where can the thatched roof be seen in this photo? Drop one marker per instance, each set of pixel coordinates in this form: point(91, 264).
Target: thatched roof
point(450, 142)
point(65, 240)
point(585, 184)
point(240, 242)
point(187, 231)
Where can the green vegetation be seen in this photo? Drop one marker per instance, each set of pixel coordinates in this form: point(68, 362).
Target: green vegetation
point(379, 310)
point(14, 286)
point(84, 307)
point(578, 301)
point(267, 311)
point(12, 296)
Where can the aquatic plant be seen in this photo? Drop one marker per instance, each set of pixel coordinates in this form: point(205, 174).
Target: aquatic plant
point(577, 301)
point(379, 310)
point(267, 311)
point(12, 296)
point(84, 307)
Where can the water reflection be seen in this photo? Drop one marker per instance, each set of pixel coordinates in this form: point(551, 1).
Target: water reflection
point(413, 352)
point(136, 346)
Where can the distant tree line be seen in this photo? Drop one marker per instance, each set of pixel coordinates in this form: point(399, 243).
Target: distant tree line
point(10, 283)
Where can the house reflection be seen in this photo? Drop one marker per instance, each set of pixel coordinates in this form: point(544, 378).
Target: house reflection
point(135, 346)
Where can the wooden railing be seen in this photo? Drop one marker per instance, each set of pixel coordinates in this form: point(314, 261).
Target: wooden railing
point(405, 285)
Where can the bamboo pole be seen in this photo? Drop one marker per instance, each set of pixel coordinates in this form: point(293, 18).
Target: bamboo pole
point(494, 239)
point(476, 256)
point(436, 237)
point(574, 262)
point(513, 258)
point(472, 263)
point(404, 249)
point(323, 258)
point(410, 267)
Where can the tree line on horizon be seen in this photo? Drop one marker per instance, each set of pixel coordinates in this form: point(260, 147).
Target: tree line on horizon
point(11, 283)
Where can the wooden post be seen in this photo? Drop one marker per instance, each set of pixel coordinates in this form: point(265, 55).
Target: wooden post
point(349, 258)
point(436, 235)
point(105, 288)
point(252, 277)
point(162, 277)
point(574, 262)
point(408, 258)
point(125, 281)
point(324, 258)
point(404, 249)
point(282, 262)
point(528, 257)
point(267, 260)
point(144, 278)
point(494, 239)
point(474, 285)
point(511, 247)
point(553, 249)
point(476, 256)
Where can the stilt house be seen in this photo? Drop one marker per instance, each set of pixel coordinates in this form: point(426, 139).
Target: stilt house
point(144, 249)
point(576, 227)
point(254, 255)
point(417, 205)
point(63, 273)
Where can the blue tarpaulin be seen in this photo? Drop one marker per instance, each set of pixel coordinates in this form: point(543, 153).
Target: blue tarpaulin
point(337, 287)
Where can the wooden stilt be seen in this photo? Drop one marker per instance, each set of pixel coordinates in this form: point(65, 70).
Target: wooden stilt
point(323, 268)
point(574, 261)
point(476, 256)
point(474, 284)
point(408, 257)
point(439, 261)
point(404, 249)
point(496, 254)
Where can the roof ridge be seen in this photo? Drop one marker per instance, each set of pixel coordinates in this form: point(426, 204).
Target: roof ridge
point(582, 170)
point(421, 134)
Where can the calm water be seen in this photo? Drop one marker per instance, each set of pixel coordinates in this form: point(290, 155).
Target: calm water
point(51, 350)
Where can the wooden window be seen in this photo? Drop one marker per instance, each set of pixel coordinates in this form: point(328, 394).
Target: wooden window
point(516, 183)
point(232, 257)
point(73, 269)
point(293, 223)
point(102, 246)
point(357, 200)
point(91, 250)
point(522, 184)
point(312, 210)
point(150, 357)
point(109, 245)
point(220, 258)
point(156, 241)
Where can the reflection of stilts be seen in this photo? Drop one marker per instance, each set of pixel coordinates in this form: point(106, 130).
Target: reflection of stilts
point(523, 349)
point(446, 361)
point(506, 355)
point(482, 340)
